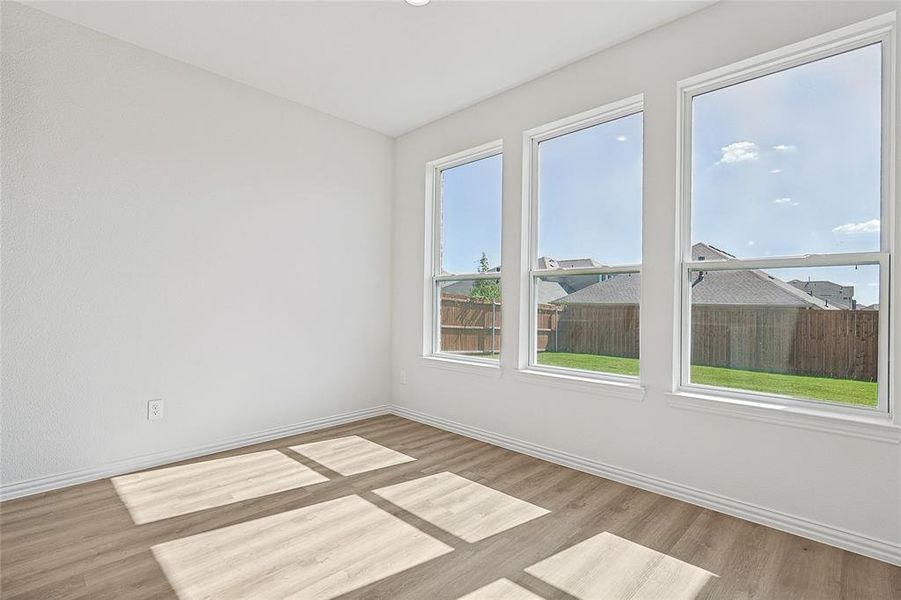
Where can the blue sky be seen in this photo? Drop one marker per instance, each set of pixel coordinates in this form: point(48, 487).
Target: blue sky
point(789, 164)
point(782, 165)
point(471, 215)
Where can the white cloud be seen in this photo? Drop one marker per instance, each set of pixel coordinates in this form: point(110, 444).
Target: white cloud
point(853, 228)
point(785, 147)
point(795, 203)
point(739, 152)
point(775, 171)
point(621, 138)
point(782, 200)
point(751, 243)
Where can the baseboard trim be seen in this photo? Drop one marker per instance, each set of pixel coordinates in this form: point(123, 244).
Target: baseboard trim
point(48, 483)
point(874, 548)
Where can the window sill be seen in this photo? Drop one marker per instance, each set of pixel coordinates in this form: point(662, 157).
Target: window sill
point(462, 365)
point(877, 427)
point(591, 385)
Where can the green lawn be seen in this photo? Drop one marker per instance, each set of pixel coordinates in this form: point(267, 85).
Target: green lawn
point(590, 362)
point(845, 391)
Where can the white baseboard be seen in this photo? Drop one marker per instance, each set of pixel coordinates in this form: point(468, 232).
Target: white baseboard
point(874, 548)
point(879, 549)
point(28, 487)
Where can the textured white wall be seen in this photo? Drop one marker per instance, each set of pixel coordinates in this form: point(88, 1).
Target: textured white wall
point(168, 233)
point(843, 482)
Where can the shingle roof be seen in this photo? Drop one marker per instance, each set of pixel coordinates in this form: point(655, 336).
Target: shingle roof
point(748, 287)
point(575, 263)
point(833, 293)
point(619, 289)
point(548, 291)
point(545, 262)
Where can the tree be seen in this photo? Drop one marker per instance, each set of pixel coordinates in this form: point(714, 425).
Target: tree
point(485, 289)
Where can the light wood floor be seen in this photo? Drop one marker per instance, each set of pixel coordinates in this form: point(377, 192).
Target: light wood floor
point(548, 532)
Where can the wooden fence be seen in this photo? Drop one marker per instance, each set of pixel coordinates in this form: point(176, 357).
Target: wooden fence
point(470, 326)
point(833, 343)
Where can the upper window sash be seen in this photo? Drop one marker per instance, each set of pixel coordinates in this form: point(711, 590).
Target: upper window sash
point(434, 173)
point(588, 270)
point(808, 260)
point(531, 140)
point(877, 30)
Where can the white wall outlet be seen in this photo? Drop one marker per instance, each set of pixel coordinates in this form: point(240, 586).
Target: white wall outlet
point(155, 410)
point(403, 377)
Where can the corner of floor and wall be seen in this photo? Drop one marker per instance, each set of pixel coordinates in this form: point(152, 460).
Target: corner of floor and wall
point(169, 233)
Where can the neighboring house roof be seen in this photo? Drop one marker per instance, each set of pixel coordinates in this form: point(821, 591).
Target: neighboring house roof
point(619, 289)
point(548, 291)
point(833, 293)
point(459, 288)
point(745, 287)
point(545, 262)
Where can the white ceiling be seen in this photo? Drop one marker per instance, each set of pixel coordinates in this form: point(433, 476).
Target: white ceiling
point(382, 64)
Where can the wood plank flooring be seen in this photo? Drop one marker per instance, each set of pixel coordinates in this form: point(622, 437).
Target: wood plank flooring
point(169, 492)
point(317, 540)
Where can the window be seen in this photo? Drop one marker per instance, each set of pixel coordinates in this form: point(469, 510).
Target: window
point(585, 215)
point(464, 291)
point(786, 236)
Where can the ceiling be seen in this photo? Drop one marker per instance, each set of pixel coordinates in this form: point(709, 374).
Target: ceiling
point(384, 65)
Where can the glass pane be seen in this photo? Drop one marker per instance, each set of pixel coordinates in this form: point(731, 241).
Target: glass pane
point(589, 196)
point(810, 333)
point(591, 327)
point(789, 163)
point(471, 216)
point(470, 317)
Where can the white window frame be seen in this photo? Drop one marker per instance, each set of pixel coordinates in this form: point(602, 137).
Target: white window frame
point(433, 275)
point(531, 139)
point(877, 30)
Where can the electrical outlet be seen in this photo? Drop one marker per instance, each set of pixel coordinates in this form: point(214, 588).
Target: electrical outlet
point(155, 410)
point(403, 377)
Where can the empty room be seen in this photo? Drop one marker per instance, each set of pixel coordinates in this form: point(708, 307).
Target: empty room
point(450, 300)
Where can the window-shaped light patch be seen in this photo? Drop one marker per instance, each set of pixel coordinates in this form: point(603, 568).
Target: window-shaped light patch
point(172, 491)
point(319, 551)
point(608, 566)
point(464, 508)
point(351, 455)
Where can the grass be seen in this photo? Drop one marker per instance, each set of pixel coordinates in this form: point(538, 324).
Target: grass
point(844, 391)
point(590, 362)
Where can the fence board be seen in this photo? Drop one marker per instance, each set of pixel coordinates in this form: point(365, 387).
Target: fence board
point(839, 343)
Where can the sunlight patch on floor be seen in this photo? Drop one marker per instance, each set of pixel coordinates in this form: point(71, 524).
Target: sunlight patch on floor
point(610, 567)
point(319, 551)
point(172, 491)
point(464, 508)
point(351, 455)
point(502, 589)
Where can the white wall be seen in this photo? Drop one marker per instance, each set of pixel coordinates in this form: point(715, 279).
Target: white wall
point(168, 233)
point(844, 483)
